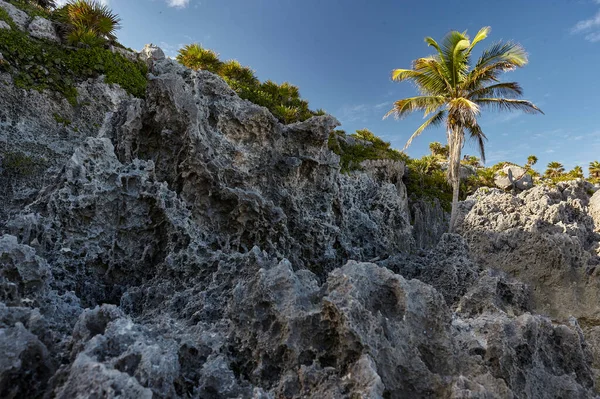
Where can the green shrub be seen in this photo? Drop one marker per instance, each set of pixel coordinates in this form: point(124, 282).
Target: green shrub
point(33, 8)
point(40, 65)
point(87, 22)
point(361, 146)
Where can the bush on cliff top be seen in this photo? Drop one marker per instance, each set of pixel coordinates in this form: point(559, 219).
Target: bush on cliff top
point(283, 100)
point(39, 64)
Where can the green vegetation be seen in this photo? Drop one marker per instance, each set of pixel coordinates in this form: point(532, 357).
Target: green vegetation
point(18, 164)
point(594, 170)
point(283, 100)
point(361, 146)
point(87, 22)
point(40, 65)
point(61, 121)
point(454, 91)
point(34, 8)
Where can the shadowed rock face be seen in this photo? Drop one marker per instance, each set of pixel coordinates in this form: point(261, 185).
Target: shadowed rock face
point(198, 248)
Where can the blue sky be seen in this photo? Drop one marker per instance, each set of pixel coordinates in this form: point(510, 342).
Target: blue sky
point(340, 53)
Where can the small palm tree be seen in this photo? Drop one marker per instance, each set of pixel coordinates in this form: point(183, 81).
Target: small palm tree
point(195, 57)
point(454, 91)
point(554, 170)
point(236, 74)
point(576, 172)
point(531, 160)
point(439, 150)
point(88, 22)
point(594, 170)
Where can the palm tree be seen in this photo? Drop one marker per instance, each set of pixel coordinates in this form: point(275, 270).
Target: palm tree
point(88, 22)
point(195, 57)
point(439, 150)
point(576, 172)
point(594, 170)
point(554, 170)
point(531, 160)
point(453, 91)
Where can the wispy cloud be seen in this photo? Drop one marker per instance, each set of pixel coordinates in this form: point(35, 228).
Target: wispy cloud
point(178, 3)
point(362, 112)
point(590, 27)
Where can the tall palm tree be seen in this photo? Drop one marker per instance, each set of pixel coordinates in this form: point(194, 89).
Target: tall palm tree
point(554, 170)
point(594, 170)
point(454, 91)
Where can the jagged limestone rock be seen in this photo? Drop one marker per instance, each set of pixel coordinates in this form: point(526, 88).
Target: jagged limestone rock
point(193, 246)
point(41, 28)
point(513, 176)
point(20, 18)
point(594, 208)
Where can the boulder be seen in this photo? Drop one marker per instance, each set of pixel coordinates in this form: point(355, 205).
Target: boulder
point(150, 54)
point(20, 18)
point(512, 175)
point(41, 28)
point(4, 25)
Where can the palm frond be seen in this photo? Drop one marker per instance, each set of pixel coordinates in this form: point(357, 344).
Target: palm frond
point(481, 35)
point(453, 47)
point(505, 104)
point(428, 104)
point(505, 89)
point(435, 120)
point(477, 134)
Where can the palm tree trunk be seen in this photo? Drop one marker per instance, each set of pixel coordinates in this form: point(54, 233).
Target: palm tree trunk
point(454, 212)
point(456, 139)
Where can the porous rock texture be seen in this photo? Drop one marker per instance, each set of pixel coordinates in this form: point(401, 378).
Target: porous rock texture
point(192, 246)
point(546, 238)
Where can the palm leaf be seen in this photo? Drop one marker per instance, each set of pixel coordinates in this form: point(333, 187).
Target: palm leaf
point(428, 104)
point(504, 104)
point(435, 120)
point(506, 89)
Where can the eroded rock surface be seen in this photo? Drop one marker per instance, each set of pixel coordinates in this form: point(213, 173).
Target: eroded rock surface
point(191, 246)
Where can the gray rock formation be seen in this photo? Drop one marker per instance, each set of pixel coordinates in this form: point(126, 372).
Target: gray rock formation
point(41, 28)
point(4, 25)
point(20, 18)
point(513, 176)
point(429, 221)
point(594, 208)
point(544, 237)
point(190, 246)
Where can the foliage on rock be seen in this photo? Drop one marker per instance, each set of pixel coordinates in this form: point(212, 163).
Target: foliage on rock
point(40, 65)
point(283, 100)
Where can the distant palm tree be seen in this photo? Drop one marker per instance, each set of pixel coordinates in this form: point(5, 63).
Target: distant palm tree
point(531, 160)
point(594, 170)
point(576, 172)
point(453, 91)
point(554, 169)
point(439, 150)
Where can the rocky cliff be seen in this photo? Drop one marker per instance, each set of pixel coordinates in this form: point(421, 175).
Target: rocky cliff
point(189, 245)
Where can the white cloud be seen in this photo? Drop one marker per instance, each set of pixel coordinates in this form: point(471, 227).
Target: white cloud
point(587, 24)
point(178, 3)
point(591, 27)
